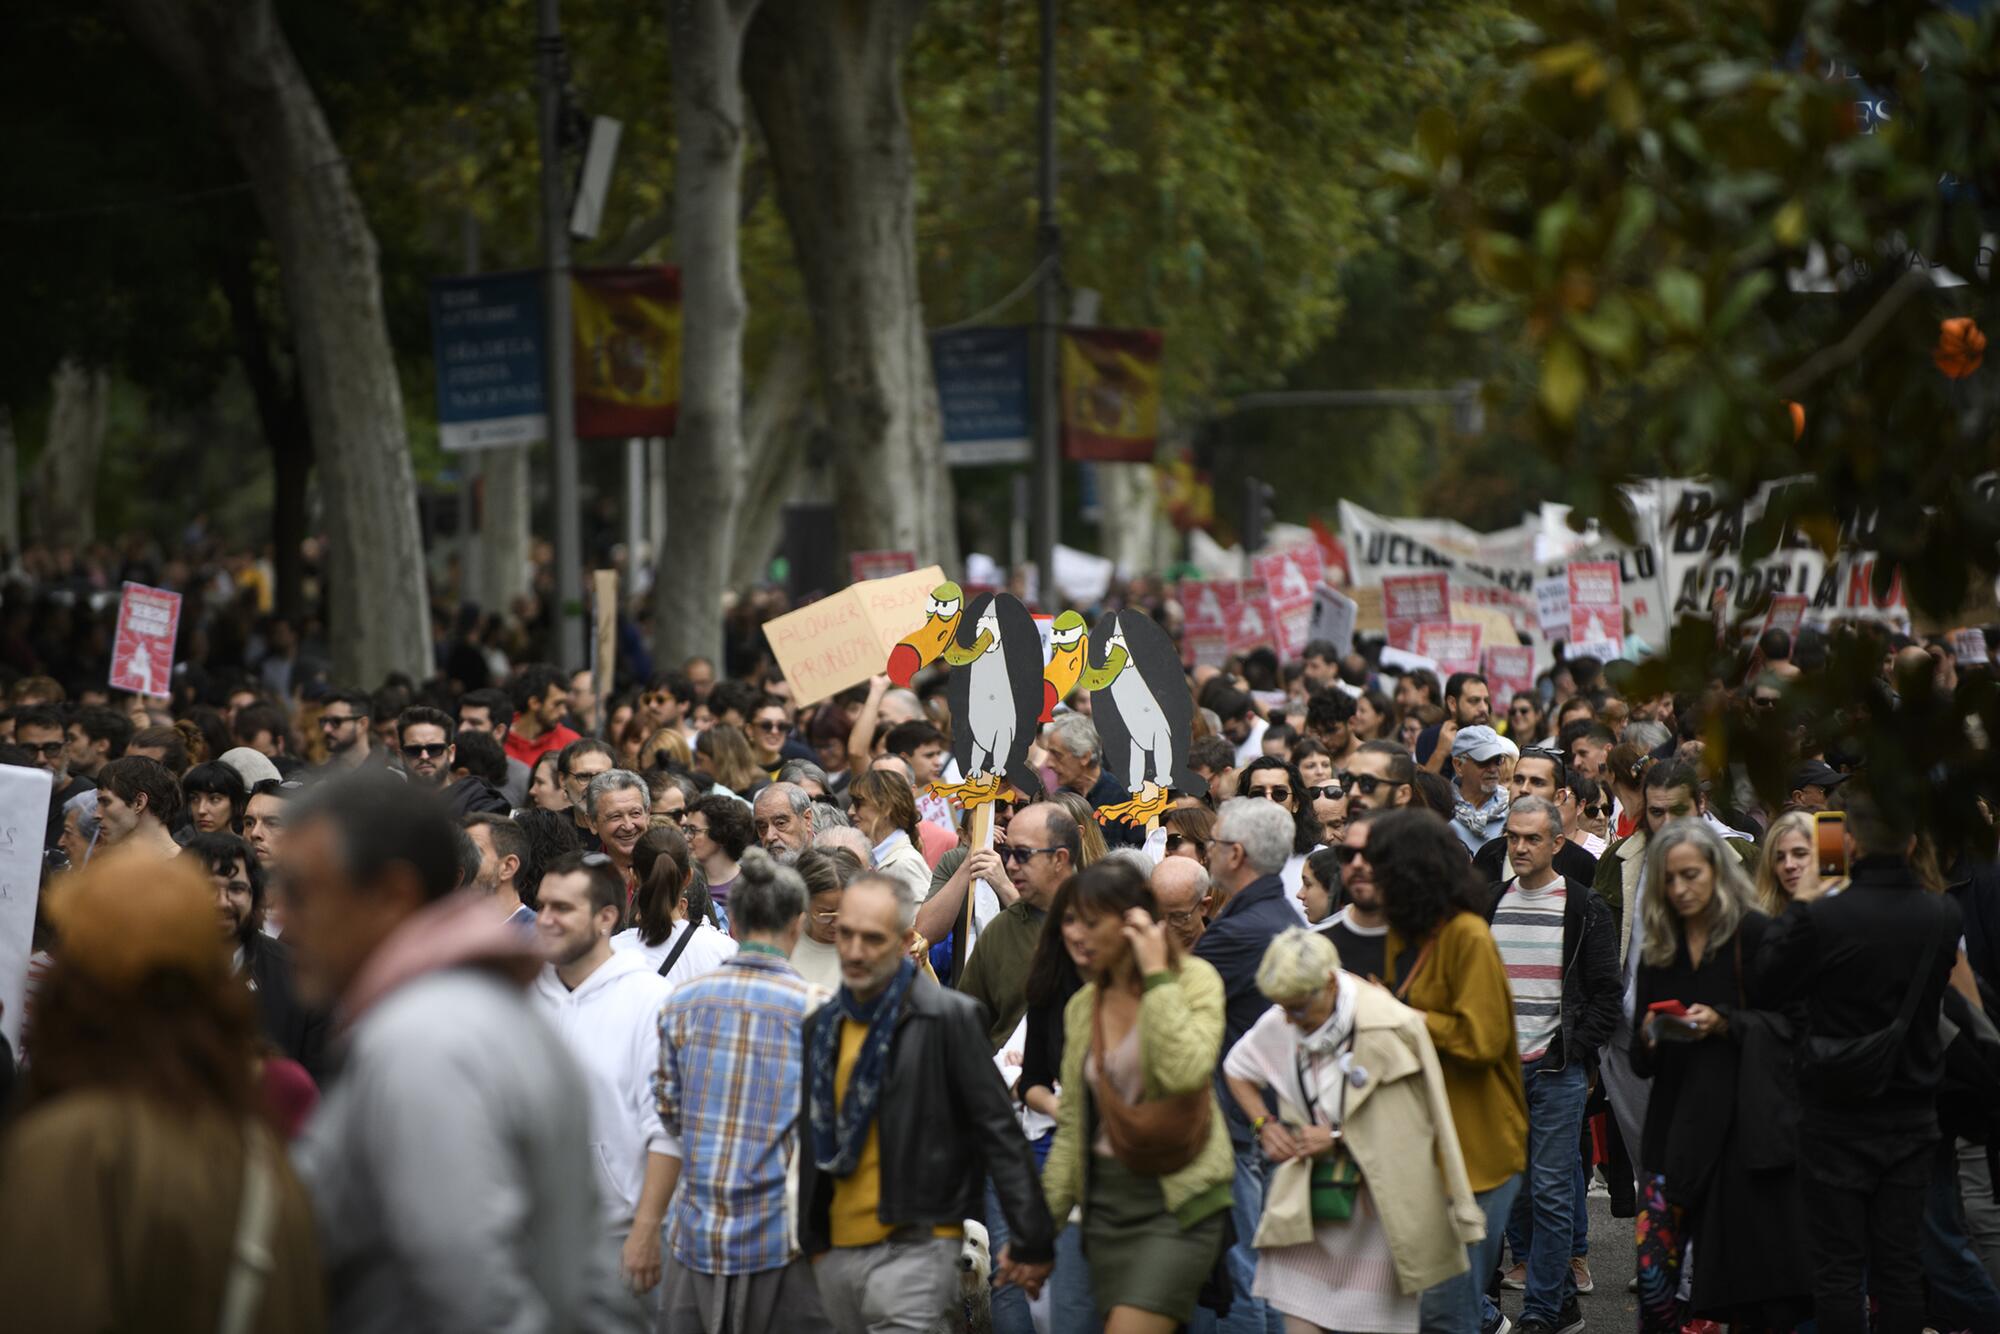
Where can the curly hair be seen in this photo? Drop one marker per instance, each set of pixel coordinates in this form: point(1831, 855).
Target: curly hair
point(1423, 872)
point(1305, 827)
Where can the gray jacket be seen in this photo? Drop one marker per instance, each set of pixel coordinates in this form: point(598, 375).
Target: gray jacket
point(449, 1167)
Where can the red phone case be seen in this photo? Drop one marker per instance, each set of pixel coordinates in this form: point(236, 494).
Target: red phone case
point(1673, 1009)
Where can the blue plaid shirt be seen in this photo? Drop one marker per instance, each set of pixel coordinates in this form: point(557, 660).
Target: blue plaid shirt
point(731, 1058)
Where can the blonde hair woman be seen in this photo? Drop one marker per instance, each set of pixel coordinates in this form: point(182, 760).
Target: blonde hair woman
point(1789, 868)
point(1370, 1204)
point(1710, 1044)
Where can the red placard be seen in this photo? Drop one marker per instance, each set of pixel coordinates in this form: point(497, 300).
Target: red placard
point(1453, 645)
point(1510, 669)
point(1250, 618)
point(1411, 600)
point(1290, 575)
point(1787, 612)
point(1596, 610)
point(142, 651)
point(866, 565)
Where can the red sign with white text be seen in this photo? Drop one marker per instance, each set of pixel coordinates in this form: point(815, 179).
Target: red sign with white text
point(142, 651)
point(1453, 645)
point(865, 565)
point(1510, 669)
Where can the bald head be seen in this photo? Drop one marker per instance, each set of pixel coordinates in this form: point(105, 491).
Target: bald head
point(893, 764)
point(1181, 886)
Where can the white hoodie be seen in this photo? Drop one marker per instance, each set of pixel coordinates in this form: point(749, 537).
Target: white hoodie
point(611, 1025)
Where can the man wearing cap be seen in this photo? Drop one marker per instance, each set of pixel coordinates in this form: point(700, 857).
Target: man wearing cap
point(1479, 811)
point(1812, 786)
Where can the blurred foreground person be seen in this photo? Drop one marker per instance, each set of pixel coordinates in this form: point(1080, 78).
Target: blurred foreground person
point(142, 1169)
point(450, 1164)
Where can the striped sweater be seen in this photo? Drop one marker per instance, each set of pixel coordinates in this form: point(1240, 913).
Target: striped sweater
point(1528, 928)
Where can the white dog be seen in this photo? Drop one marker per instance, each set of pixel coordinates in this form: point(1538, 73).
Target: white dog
point(972, 1306)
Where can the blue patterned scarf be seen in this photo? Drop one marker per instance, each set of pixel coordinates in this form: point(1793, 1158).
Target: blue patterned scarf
point(838, 1136)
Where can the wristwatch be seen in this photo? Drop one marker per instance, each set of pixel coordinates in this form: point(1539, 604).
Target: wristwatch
point(1257, 1124)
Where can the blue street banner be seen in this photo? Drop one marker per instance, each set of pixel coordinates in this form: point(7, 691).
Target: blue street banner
point(982, 380)
point(486, 338)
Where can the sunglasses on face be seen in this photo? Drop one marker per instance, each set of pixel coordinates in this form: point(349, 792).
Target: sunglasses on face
point(1331, 791)
point(334, 720)
point(1021, 856)
point(1280, 794)
point(1175, 842)
point(768, 725)
point(1595, 811)
point(1367, 784)
point(1344, 854)
point(426, 751)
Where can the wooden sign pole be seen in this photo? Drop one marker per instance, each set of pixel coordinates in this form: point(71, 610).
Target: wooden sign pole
point(981, 829)
point(604, 665)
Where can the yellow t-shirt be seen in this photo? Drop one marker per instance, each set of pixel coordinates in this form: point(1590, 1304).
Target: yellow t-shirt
point(856, 1197)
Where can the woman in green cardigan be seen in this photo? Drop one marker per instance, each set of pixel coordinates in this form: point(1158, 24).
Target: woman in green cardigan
point(1150, 1240)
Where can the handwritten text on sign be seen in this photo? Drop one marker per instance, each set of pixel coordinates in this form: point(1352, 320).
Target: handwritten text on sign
point(841, 641)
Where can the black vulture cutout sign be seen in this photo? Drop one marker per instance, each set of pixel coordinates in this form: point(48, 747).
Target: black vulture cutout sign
point(996, 689)
point(1144, 714)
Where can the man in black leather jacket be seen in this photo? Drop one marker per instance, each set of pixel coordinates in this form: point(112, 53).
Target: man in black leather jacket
point(884, 1234)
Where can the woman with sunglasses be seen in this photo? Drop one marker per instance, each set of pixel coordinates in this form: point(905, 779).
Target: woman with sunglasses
point(1527, 720)
point(1274, 780)
point(1593, 812)
point(1187, 832)
point(1146, 1028)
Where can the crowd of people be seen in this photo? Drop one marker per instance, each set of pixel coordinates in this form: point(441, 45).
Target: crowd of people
point(500, 1006)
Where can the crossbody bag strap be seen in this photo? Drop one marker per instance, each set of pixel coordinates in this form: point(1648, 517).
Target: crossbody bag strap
point(680, 947)
point(1403, 988)
point(1908, 1009)
point(250, 1258)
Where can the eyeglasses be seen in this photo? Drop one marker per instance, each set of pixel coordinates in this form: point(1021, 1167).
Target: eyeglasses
point(1367, 784)
point(770, 725)
point(1281, 794)
point(692, 829)
point(1331, 791)
point(1021, 856)
point(1540, 753)
point(427, 751)
point(45, 749)
point(333, 720)
point(1594, 810)
point(1188, 918)
point(1175, 842)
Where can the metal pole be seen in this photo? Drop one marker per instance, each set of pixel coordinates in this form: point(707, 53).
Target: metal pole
point(1048, 320)
point(569, 645)
point(635, 506)
point(471, 551)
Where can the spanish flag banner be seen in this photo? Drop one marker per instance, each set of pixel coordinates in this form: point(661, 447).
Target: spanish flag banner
point(628, 350)
point(1111, 394)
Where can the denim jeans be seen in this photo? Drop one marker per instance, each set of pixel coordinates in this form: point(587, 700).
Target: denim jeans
point(1460, 1305)
point(1072, 1304)
point(1010, 1304)
point(1962, 1294)
point(1555, 1120)
point(1521, 1219)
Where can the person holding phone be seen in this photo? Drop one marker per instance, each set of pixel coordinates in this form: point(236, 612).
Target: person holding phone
point(1710, 1169)
point(1790, 869)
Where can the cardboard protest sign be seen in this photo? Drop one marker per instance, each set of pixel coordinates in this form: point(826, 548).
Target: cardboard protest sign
point(24, 811)
point(1970, 646)
point(1787, 613)
point(841, 641)
point(142, 650)
point(1453, 645)
point(1510, 670)
point(1333, 618)
point(865, 565)
point(1596, 613)
point(996, 689)
point(1552, 605)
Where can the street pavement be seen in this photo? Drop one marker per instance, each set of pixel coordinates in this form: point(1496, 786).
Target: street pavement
point(1612, 1261)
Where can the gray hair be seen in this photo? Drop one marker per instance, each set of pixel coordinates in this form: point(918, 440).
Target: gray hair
point(1133, 858)
point(906, 897)
point(767, 897)
point(804, 771)
point(826, 815)
point(1078, 736)
point(1263, 829)
point(846, 838)
point(1647, 736)
point(1539, 806)
point(1660, 925)
point(794, 796)
point(1297, 964)
point(905, 701)
point(614, 780)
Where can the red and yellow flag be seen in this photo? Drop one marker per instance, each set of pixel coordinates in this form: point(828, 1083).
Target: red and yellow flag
point(628, 350)
point(1111, 394)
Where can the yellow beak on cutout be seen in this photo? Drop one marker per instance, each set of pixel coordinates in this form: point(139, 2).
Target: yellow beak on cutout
point(915, 651)
point(1066, 649)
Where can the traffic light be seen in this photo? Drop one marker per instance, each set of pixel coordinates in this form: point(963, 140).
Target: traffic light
point(1258, 515)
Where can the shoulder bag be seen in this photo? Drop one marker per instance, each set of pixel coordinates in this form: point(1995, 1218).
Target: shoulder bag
point(1154, 1136)
point(1861, 1067)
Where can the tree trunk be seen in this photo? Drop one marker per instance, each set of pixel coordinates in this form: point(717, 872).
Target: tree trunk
point(707, 47)
point(774, 443)
point(233, 58)
point(503, 567)
point(281, 412)
point(66, 474)
point(826, 80)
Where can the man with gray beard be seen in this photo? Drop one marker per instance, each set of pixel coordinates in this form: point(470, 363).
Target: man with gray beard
point(783, 818)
